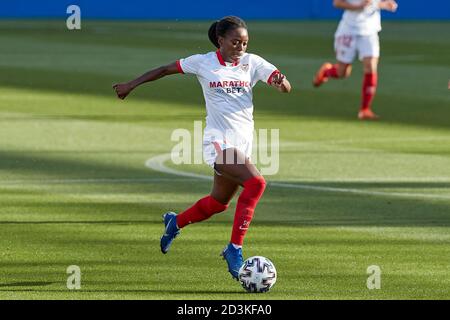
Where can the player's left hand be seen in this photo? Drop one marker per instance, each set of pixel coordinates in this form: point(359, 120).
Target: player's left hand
point(277, 79)
point(280, 82)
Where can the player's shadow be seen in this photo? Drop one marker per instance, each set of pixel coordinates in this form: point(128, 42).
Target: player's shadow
point(55, 168)
point(311, 203)
point(331, 203)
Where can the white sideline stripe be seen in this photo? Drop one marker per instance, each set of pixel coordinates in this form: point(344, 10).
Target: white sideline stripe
point(157, 163)
point(87, 181)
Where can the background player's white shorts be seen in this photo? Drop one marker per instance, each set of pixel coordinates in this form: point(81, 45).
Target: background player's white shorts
point(211, 149)
point(347, 45)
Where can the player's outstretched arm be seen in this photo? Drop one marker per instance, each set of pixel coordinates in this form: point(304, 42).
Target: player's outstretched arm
point(388, 5)
point(343, 4)
point(123, 89)
point(280, 82)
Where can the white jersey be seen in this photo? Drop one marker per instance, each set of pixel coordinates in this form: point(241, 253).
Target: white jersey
point(364, 22)
point(228, 90)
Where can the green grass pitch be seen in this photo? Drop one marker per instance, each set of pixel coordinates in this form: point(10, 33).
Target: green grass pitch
point(74, 188)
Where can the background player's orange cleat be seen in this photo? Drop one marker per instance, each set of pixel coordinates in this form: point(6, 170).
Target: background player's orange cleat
point(367, 114)
point(320, 75)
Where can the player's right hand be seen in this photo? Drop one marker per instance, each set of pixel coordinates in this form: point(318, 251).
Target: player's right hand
point(390, 5)
point(122, 90)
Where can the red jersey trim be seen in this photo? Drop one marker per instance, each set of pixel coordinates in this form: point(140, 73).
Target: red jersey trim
point(219, 56)
point(269, 81)
point(180, 70)
point(222, 62)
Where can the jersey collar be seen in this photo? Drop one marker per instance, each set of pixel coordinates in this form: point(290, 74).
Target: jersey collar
point(222, 62)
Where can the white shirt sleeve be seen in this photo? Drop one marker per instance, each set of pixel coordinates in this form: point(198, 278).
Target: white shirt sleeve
point(190, 64)
point(263, 70)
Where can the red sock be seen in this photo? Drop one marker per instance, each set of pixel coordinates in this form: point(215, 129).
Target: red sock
point(368, 90)
point(332, 72)
point(201, 210)
point(253, 190)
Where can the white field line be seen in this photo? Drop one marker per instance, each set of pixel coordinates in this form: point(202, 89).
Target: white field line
point(157, 163)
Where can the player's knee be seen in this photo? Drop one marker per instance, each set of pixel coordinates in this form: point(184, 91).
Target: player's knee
point(263, 183)
point(370, 66)
point(258, 184)
point(345, 71)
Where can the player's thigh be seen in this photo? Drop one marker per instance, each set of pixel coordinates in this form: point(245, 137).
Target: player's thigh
point(235, 165)
point(369, 52)
point(345, 48)
point(224, 188)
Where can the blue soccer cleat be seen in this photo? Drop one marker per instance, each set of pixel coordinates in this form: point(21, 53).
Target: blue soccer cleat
point(171, 231)
point(234, 260)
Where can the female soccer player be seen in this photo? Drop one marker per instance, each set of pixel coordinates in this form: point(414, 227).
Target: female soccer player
point(227, 77)
point(357, 32)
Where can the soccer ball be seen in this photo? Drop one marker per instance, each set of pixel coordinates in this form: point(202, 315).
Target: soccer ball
point(257, 274)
